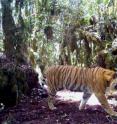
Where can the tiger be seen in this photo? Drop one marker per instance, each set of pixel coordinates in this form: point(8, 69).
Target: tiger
point(87, 80)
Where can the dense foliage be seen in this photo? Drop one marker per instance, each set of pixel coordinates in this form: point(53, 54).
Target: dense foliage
point(69, 32)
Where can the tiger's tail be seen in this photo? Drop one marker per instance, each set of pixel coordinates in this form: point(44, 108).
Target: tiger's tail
point(43, 82)
point(43, 90)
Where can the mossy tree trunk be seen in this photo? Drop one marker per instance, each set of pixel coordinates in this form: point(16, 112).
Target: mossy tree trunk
point(14, 45)
point(15, 50)
point(87, 53)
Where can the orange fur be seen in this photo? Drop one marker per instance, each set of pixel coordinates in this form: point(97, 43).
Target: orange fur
point(88, 80)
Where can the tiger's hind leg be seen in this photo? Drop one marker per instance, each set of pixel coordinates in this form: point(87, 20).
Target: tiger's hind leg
point(51, 100)
point(86, 96)
point(51, 103)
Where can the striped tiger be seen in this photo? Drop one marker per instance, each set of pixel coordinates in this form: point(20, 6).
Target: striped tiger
point(87, 80)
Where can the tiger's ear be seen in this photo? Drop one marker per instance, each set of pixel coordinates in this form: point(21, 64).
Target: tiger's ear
point(109, 75)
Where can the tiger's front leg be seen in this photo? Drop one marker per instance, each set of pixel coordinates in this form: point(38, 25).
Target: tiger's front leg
point(102, 99)
point(86, 96)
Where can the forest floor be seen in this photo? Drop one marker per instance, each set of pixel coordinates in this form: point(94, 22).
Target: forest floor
point(34, 110)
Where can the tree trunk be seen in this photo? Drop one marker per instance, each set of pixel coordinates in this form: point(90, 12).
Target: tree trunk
point(14, 47)
point(87, 53)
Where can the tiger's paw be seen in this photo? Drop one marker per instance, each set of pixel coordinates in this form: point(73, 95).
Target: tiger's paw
point(81, 107)
point(52, 108)
point(113, 114)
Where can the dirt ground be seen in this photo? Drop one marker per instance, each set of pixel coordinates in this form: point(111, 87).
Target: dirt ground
point(34, 110)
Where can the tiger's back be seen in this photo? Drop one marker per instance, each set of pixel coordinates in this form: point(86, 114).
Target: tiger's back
point(72, 78)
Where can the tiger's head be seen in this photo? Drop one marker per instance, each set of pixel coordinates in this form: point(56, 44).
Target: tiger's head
point(113, 85)
point(111, 78)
